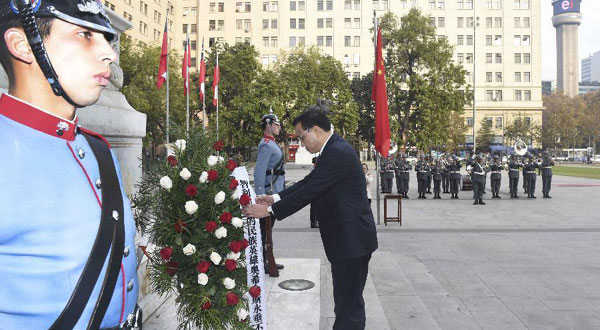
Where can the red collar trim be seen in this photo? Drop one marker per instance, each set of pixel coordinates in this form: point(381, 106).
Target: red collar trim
point(36, 118)
point(268, 137)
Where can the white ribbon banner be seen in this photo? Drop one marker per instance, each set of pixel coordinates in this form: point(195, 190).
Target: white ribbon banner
point(254, 256)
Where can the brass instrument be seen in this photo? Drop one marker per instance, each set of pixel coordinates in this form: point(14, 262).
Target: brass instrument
point(520, 147)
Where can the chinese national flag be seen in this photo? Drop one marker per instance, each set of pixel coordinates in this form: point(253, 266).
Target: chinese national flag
point(185, 67)
point(202, 76)
point(162, 67)
point(382, 120)
point(215, 85)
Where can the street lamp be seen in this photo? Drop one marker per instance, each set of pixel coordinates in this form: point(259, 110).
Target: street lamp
point(475, 25)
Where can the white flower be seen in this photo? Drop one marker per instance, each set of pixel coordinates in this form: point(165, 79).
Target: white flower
point(233, 256)
point(166, 182)
point(203, 177)
point(180, 144)
point(219, 197)
point(189, 249)
point(237, 222)
point(221, 159)
point(215, 258)
point(202, 279)
point(242, 314)
point(212, 160)
point(228, 283)
point(191, 207)
point(220, 233)
point(185, 174)
point(235, 195)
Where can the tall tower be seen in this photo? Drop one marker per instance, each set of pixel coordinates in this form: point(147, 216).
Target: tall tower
point(566, 20)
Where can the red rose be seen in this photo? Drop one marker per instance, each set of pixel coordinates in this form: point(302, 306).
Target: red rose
point(245, 199)
point(211, 226)
point(230, 264)
point(243, 244)
point(231, 165)
point(203, 266)
point(213, 175)
point(232, 299)
point(254, 291)
point(172, 267)
point(191, 190)
point(225, 217)
point(179, 226)
point(235, 246)
point(166, 253)
point(218, 146)
point(172, 160)
point(233, 184)
point(206, 305)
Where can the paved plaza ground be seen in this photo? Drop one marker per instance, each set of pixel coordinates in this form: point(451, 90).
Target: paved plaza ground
point(508, 265)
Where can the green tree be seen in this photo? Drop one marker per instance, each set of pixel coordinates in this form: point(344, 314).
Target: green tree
point(361, 92)
point(591, 117)
point(560, 120)
point(521, 128)
point(485, 135)
point(425, 87)
point(456, 134)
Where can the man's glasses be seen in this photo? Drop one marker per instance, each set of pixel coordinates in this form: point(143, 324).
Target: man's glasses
point(301, 136)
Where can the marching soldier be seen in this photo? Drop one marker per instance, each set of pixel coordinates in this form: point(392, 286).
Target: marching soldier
point(436, 172)
point(387, 174)
point(454, 177)
point(478, 178)
point(531, 176)
point(513, 175)
point(547, 164)
point(495, 177)
point(525, 184)
point(67, 244)
point(422, 169)
point(429, 161)
point(402, 172)
point(269, 172)
point(445, 175)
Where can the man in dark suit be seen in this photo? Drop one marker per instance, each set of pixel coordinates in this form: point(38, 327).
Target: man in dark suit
point(337, 189)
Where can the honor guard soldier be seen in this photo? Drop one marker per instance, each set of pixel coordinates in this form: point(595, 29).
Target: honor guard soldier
point(478, 178)
point(269, 172)
point(445, 175)
point(525, 185)
point(436, 173)
point(66, 231)
point(387, 174)
point(454, 177)
point(547, 164)
point(422, 169)
point(513, 175)
point(429, 161)
point(403, 168)
point(530, 176)
point(496, 177)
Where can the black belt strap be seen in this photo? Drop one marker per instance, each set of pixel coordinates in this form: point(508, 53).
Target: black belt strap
point(110, 231)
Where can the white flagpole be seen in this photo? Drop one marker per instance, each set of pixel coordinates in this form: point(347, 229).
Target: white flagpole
point(187, 87)
point(203, 91)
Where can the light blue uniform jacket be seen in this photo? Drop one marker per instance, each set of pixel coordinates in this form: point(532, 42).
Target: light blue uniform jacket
point(269, 155)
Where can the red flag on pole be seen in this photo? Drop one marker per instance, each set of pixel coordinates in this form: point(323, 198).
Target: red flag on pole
point(382, 120)
point(162, 67)
point(202, 76)
point(185, 66)
point(215, 85)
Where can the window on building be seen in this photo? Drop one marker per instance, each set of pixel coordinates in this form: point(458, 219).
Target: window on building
point(526, 58)
point(498, 58)
point(526, 40)
point(441, 22)
point(329, 4)
point(498, 40)
point(301, 23)
point(221, 7)
point(517, 22)
point(460, 58)
point(301, 41)
point(441, 4)
point(144, 8)
point(347, 41)
point(498, 76)
point(527, 97)
point(469, 57)
point(238, 40)
point(239, 6)
point(468, 4)
point(292, 23)
point(320, 41)
point(247, 25)
point(212, 7)
point(488, 121)
point(156, 35)
point(470, 124)
point(320, 5)
point(264, 59)
point(356, 41)
point(431, 4)
point(488, 40)
point(517, 58)
point(498, 122)
point(469, 40)
point(517, 41)
point(301, 5)
point(469, 22)
point(432, 21)
point(488, 77)
point(185, 11)
point(292, 41)
point(329, 41)
point(498, 22)
point(459, 22)
point(329, 22)
point(488, 22)
point(348, 5)
point(247, 7)
point(265, 41)
point(488, 57)
point(488, 4)
point(527, 76)
point(265, 6)
point(356, 4)
point(347, 23)
point(320, 23)
point(517, 76)
point(265, 24)
point(292, 5)
point(356, 24)
point(460, 40)
point(274, 24)
point(526, 22)
point(518, 95)
point(211, 26)
point(460, 4)
point(194, 27)
point(274, 42)
point(489, 95)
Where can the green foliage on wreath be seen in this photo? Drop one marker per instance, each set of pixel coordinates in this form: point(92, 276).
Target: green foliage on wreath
point(171, 228)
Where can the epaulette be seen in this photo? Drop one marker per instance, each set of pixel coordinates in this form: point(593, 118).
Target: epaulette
point(94, 134)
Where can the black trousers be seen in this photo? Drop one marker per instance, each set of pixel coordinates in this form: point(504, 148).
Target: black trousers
point(454, 183)
point(436, 186)
point(445, 183)
point(531, 185)
point(422, 186)
point(513, 185)
point(546, 183)
point(477, 190)
point(349, 279)
point(496, 186)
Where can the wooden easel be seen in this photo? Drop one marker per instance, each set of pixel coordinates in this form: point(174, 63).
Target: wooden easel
point(272, 271)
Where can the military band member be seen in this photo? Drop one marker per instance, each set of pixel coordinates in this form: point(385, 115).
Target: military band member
point(387, 174)
point(445, 175)
point(478, 178)
point(429, 161)
point(513, 175)
point(403, 172)
point(547, 164)
point(422, 169)
point(269, 172)
point(455, 177)
point(525, 184)
point(436, 172)
point(531, 176)
point(496, 177)
point(61, 185)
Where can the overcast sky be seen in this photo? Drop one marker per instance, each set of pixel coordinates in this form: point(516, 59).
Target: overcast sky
point(589, 35)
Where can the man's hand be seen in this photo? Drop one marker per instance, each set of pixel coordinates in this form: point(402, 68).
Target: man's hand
point(266, 200)
point(255, 211)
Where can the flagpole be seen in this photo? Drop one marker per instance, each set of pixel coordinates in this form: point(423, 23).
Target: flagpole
point(377, 153)
point(203, 94)
point(167, 89)
point(217, 96)
point(187, 88)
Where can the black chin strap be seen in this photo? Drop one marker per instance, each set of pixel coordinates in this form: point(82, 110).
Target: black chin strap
point(39, 51)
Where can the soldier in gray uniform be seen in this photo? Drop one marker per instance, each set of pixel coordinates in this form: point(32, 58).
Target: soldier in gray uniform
point(530, 176)
point(478, 178)
point(429, 161)
point(513, 175)
point(547, 164)
point(269, 172)
point(422, 169)
point(454, 176)
point(436, 173)
point(445, 174)
point(386, 171)
point(405, 168)
point(495, 177)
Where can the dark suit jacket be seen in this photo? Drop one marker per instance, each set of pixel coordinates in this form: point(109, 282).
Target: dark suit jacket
point(337, 189)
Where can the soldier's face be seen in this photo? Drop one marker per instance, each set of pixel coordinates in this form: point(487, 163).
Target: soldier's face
point(81, 59)
point(275, 129)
